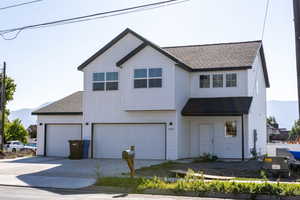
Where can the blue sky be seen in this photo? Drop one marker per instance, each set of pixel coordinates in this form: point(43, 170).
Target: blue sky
point(44, 62)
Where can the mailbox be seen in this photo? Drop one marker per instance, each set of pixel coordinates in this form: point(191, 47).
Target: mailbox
point(129, 155)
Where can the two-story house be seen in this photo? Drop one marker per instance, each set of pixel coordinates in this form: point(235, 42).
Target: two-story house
point(170, 102)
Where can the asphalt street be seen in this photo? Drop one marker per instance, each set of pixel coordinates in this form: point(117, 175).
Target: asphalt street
point(27, 193)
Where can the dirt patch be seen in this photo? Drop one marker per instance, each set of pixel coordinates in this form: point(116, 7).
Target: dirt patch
point(248, 169)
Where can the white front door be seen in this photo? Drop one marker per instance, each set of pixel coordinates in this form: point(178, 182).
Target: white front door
point(206, 139)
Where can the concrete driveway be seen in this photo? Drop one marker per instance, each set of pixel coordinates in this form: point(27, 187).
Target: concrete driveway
point(61, 173)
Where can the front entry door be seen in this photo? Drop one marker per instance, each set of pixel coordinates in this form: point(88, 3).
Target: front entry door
point(206, 139)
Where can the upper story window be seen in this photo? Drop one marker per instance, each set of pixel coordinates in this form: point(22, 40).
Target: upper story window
point(105, 81)
point(218, 80)
point(204, 81)
point(231, 80)
point(148, 78)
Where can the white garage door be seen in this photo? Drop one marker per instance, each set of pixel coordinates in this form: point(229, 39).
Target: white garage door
point(111, 139)
point(57, 139)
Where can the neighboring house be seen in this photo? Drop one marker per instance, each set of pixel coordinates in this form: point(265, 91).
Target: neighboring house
point(276, 134)
point(171, 103)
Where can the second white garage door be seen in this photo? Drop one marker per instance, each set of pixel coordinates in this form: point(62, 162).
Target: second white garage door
point(111, 139)
point(58, 136)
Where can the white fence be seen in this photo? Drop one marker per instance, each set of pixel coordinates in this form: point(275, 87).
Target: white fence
point(271, 147)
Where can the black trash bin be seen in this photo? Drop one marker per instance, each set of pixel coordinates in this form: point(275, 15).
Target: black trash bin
point(76, 149)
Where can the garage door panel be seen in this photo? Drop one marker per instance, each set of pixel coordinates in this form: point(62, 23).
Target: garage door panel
point(57, 139)
point(111, 139)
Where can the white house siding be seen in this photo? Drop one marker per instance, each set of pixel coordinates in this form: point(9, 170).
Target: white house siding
point(52, 119)
point(223, 147)
point(240, 90)
point(129, 105)
point(258, 109)
point(182, 94)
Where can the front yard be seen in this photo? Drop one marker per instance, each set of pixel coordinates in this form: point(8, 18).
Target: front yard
point(248, 169)
point(247, 178)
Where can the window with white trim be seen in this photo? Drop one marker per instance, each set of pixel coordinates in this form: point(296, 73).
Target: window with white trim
point(231, 80)
point(230, 129)
point(217, 80)
point(105, 81)
point(147, 78)
point(204, 81)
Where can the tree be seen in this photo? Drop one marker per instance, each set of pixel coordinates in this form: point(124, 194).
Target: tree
point(15, 131)
point(272, 121)
point(10, 88)
point(295, 131)
point(32, 131)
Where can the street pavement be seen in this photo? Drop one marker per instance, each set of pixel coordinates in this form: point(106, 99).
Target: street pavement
point(27, 193)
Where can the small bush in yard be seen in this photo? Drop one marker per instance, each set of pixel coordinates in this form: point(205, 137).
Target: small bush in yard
point(206, 157)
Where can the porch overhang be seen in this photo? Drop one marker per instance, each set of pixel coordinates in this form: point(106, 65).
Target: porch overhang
point(217, 106)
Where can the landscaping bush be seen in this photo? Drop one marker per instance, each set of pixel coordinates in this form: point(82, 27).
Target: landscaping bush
point(206, 157)
point(201, 187)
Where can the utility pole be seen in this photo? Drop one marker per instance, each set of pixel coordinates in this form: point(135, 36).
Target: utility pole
point(3, 75)
point(296, 4)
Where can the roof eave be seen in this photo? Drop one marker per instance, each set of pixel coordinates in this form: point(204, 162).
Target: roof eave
point(56, 113)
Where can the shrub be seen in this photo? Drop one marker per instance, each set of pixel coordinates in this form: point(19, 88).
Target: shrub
point(198, 185)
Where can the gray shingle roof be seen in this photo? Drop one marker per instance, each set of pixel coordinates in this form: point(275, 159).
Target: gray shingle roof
point(240, 54)
point(69, 105)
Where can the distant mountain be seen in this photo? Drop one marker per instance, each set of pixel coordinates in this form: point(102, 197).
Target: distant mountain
point(285, 112)
point(25, 116)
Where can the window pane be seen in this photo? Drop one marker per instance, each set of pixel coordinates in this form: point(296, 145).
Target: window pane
point(155, 72)
point(204, 81)
point(155, 83)
point(140, 73)
point(231, 80)
point(217, 80)
point(111, 76)
point(140, 83)
point(98, 76)
point(98, 86)
point(111, 85)
point(230, 128)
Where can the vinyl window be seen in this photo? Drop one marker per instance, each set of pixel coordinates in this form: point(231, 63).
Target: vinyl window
point(148, 78)
point(230, 129)
point(204, 81)
point(105, 81)
point(231, 80)
point(218, 80)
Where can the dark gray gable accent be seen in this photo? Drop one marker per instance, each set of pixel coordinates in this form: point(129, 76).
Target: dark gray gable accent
point(102, 50)
point(131, 54)
point(119, 37)
point(264, 65)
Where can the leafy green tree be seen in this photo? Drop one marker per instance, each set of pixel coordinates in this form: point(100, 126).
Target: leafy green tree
point(15, 131)
point(295, 131)
point(271, 120)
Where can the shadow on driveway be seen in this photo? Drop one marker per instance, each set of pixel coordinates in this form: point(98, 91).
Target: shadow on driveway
point(48, 172)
